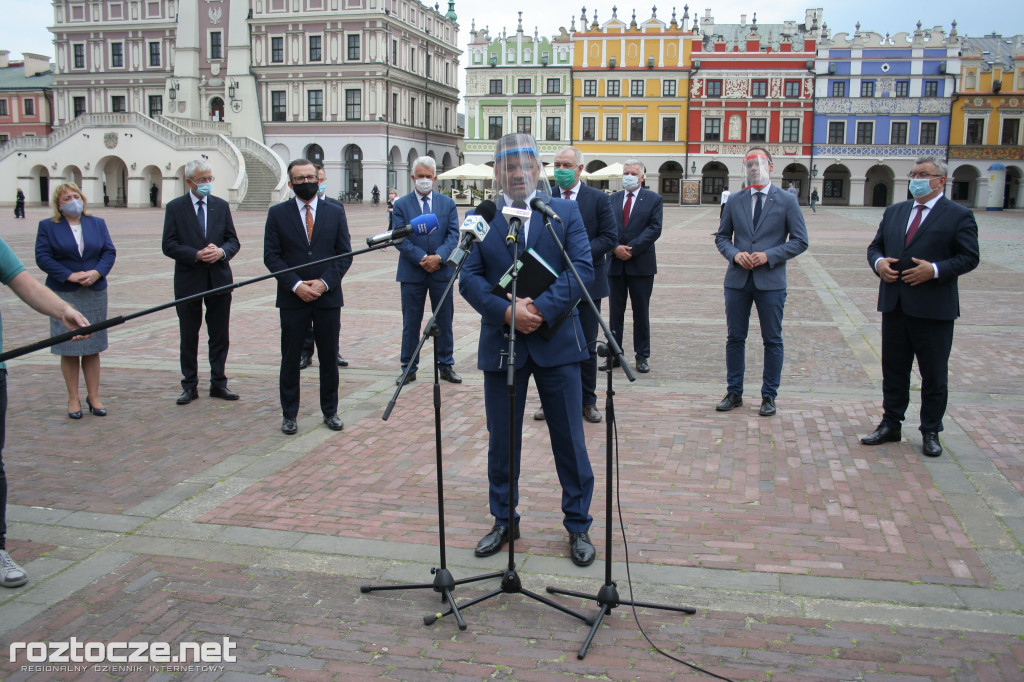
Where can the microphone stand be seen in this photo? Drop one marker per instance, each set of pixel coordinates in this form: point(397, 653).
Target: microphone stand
point(608, 597)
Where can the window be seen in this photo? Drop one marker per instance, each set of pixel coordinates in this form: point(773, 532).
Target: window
point(278, 108)
point(216, 45)
point(589, 127)
point(78, 105)
point(315, 105)
point(714, 88)
point(1011, 132)
point(929, 132)
point(4, 139)
point(836, 132)
point(277, 50)
point(613, 88)
point(79, 51)
point(353, 105)
point(636, 128)
point(495, 88)
point(759, 89)
point(839, 88)
point(931, 89)
point(156, 105)
point(758, 130)
point(832, 188)
point(865, 132)
point(553, 128)
point(3, 107)
point(867, 88)
point(898, 132)
point(523, 86)
point(668, 129)
point(427, 118)
point(792, 89)
point(790, 130)
point(154, 54)
point(975, 131)
point(316, 52)
point(353, 48)
point(494, 128)
point(29, 105)
point(712, 129)
point(117, 104)
point(590, 88)
point(447, 117)
point(117, 55)
point(903, 88)
point(554, 86)
point(668, 88)
point(524, 124)
point(394, 51)
point(412, 109)
point(636, 88)
point(611, 129)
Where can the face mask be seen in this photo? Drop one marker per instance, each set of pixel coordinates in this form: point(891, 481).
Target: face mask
point(920, 187)
point(565, 177)
point(72, 208)
point(424, 185)
point(630, 182)
point(305, 190)
point(203, 189)
point(322, 190)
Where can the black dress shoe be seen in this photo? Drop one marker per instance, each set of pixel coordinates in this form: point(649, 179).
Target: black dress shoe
point(334, 422)
point(581, 550)
point(730, 401)
point(539, 415)
point(592, 414)
point(642, 366)
point(96, 411)
point(883, 434)
point(767, 407)
point(448, 374)
point(931, 447)
point(304, 361)
point(223, 392)
point(187, 396)
point(604, 367)
point(342, 362)
point(493, 541)
point(289, 426)
point(408, 380)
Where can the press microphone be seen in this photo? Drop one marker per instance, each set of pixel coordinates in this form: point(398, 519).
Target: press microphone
point(474, 229)
point(516, 214)
point(422, 224)
point(537, 204)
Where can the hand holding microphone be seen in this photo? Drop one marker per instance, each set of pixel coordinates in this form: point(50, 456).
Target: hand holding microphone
point(423, 224)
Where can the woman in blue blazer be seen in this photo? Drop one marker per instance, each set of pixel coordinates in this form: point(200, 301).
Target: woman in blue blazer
point(74, 249)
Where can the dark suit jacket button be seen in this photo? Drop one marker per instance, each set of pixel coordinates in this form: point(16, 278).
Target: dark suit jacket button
point(309, 253)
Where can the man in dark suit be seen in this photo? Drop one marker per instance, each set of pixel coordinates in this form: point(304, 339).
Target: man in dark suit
point(920, 250)
point(596, 211)
point(637, 212)
point(200, 236)
point(761, 229)
point(298, 231)
point(422, 269)
point(553, 363)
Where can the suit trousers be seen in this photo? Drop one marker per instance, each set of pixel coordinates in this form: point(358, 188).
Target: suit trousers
point(308, 343)
point(294, 323)
point(770, 305)
point(638, 289)
point(218, 320)
point(560, 395)
point(903, 338)
point(588, 368)
point(414, 297)
point(3, 476)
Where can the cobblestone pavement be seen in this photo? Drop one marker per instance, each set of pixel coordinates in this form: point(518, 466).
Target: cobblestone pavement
point(807, 555)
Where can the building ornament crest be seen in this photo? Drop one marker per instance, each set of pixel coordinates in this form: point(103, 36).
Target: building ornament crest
point(110, 140)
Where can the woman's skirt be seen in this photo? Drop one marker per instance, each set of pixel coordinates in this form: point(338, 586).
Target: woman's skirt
point(92, 304)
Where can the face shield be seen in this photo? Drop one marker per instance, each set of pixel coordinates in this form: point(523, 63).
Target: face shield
point(757, 168)
point(518, 172)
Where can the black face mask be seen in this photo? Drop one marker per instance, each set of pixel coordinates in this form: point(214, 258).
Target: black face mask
point(305, 190)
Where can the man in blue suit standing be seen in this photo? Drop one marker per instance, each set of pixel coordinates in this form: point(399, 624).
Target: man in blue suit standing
point(553, 362)
point(634, 263)
point(422, 269)
point(762, 228)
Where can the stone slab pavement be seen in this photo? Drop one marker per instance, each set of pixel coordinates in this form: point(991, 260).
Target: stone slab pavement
point(807, 555)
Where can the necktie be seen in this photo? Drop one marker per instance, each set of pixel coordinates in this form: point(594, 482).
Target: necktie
point(914, 224)
point(309, 223)
point(757, 208)
point(201, 215)
point(627, 208)
point(426, 205)
point(568, 194)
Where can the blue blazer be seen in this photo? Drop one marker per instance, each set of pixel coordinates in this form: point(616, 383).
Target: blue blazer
point(948, 237)
point(643, 230)
point(441, 241)
point(285, 246)
point(57, 252)
point(603, 231)
point(491, 258)
point(183, 239)
point(780, 234)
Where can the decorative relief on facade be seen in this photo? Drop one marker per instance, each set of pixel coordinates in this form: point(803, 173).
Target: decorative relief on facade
point(775, 88)
point(808, 88)
point(984, 153)
point(882, 105)
point(880, 151)
point(735, 127)
point(697, 88)
point(886, 86)
point(215, 15)
point(110, 140)
point(734, 87)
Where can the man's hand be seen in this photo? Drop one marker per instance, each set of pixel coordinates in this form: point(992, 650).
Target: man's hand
point(431, 263)
point(743, 259)
point(528, 318)
point(310, 290)
point(919, 274)
point(757, 259)
point(623, 252)
point(210, 254)
point(885, 270)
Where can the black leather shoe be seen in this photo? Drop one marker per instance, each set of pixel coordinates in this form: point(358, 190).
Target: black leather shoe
point(334, 422)
point(408, 380)
point(642, 366)
point(581, 550)
point(767, 407)
point(604, 367)
point(883, 434)
point(592, 414)
point(730, 401)
point(223, 392)
point(187, 396)
point(289, 426)
point(448, 374)
point(342, 362)
point(493, 541)
point(931, 447)
point(304, 361)
point(539, 415)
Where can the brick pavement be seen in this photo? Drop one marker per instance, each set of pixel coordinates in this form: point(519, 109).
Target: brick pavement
point(809, 556)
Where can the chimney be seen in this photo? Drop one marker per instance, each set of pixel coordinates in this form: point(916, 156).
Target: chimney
point(36, 64)
point(743, 20)
point(5, 59)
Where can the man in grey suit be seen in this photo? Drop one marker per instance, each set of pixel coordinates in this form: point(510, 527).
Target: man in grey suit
point(761, 229)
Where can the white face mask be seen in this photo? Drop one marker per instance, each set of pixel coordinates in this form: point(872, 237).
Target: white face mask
point(630, 182)
point(424, 185)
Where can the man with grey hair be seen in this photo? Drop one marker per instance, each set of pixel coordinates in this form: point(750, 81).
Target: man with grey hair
point(200, 236)
point(422, 268)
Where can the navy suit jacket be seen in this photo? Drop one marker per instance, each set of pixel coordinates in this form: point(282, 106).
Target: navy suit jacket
point(596, 211)
point(441, 241)
point(643, 230)
point(780, 234)
point(57, 252)
point(183, 239)
point(491, 258)
point(948, 237)
point(285, 246)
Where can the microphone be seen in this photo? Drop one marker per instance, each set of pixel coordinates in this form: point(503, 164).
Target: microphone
point(473, 229)
point(423, 224)
point(517, 213)
point(537, 204)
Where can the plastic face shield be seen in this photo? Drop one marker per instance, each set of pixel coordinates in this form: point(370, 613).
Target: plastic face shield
point(518, 171)
point(757, 167)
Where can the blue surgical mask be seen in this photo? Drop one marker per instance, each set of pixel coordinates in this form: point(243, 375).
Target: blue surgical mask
point(322, 190)
point(203, 189)
point(920, 187)
point(630, 182)
point(72, 208)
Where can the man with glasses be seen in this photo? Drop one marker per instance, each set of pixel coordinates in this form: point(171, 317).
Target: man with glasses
point(920, 250)
point(298, 231)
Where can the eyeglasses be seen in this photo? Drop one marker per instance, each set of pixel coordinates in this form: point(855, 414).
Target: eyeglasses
point(200, 181)
point(305, 178)
point(922, 176)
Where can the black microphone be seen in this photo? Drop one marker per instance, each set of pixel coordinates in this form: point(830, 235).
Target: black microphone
point(473, 229)
point(422, 224)
point(537, 204)
point(517, 212)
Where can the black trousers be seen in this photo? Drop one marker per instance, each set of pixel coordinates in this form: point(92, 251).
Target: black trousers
point(294, 323)
point(588, 368)
point(218, 319)
point(638, 289)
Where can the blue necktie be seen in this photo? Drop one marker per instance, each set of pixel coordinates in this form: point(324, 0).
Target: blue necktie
point(201, 215)
point(757, 208)
point(426, 204)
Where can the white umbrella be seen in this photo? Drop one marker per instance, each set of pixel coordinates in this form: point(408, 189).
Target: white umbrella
point(467, 171)
point(612, 171)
